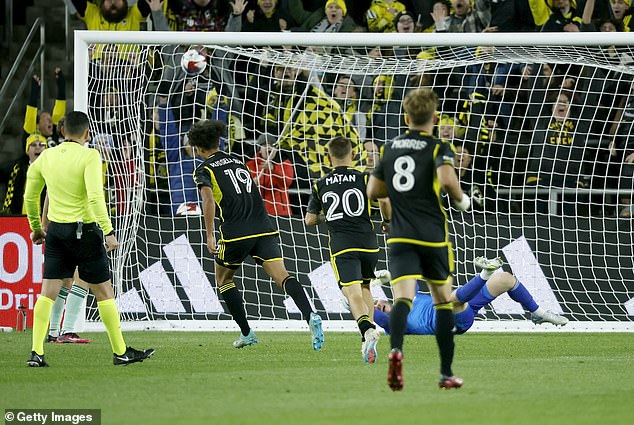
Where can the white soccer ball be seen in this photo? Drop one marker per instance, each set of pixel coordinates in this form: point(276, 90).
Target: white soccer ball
point(193, 62)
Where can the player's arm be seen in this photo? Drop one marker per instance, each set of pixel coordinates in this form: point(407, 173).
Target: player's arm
point(209, 213)
point(377, 188)
point(34, 185)
point(450, 184)
point(385, 205)
point(313, 212)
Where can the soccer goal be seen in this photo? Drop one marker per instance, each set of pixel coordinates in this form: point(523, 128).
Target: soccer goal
point(541, 123)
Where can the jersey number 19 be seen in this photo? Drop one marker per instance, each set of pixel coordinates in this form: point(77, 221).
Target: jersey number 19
point(238, 176)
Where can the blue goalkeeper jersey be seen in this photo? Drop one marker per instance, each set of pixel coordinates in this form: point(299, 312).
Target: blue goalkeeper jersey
point(421, 319)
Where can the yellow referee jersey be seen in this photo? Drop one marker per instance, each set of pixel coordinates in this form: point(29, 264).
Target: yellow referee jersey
point(73, 178)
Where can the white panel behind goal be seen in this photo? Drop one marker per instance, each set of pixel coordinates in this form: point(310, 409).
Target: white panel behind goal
point(547, 129)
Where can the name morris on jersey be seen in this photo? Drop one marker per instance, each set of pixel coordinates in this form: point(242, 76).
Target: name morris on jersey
point(409, 144)
point(340, 178)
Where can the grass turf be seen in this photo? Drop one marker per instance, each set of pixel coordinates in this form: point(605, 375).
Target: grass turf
point(199, 378)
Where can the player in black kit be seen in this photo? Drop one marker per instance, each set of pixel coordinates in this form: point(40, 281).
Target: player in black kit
point(413, 170)
point(245, 229)
point(341, 196)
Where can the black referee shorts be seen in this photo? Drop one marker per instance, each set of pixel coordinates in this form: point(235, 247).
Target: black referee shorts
point(435, 264)
point(262, 248)
point(64, 252)
point(354, 267)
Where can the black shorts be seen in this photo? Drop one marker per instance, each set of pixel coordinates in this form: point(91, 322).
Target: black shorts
point(261, 248)
point(63, 253)
point(354, 267)
point(434, 263)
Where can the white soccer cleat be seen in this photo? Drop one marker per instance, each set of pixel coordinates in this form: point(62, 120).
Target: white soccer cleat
point(488, 264)
point(547, 316)
point(368, 348)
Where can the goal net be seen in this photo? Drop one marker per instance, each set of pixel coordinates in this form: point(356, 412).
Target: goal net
point(541, 131)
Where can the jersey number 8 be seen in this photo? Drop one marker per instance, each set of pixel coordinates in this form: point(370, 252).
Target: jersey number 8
point(403, 179)
point(331, 215)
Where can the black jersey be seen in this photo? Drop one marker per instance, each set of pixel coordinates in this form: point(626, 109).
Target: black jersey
point(240, 205)
point(341, 195)
point(408, 168)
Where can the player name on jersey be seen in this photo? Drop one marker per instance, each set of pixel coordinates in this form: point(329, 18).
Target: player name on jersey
point(409, 144)
point(224, 161)
point(340, 178)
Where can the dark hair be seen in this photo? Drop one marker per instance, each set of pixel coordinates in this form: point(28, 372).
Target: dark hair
point(75, 123)
point(206, 134)
point(339, 147)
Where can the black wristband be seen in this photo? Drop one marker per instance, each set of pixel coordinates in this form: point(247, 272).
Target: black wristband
point(111, 233)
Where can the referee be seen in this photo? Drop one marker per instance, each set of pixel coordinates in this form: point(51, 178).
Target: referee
point(78, 222)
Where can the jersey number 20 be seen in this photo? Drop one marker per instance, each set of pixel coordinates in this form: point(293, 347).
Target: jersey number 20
point(332, 215)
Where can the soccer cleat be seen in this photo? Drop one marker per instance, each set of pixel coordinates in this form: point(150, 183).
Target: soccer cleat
point(449, 382)
point(35, 360)
point(51, 338)
point(368, 348)
point(71, 338)
point(488, 264)
point(244, 341)
point(548, 316)
point(395, 370)
point(314, 323)
point(131, 356)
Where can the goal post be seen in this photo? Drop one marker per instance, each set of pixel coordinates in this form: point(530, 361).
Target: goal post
point(541, 122)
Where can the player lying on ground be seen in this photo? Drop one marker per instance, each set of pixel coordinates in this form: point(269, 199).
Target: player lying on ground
point(468, 300)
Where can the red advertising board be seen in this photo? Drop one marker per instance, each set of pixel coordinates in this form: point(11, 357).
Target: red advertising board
point(21, 269)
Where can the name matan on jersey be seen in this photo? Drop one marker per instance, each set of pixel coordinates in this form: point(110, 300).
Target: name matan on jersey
point(340, 178)
point(409, 144)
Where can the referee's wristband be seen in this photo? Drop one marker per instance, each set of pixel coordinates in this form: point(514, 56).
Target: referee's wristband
point(111, 233)
point(464, 203)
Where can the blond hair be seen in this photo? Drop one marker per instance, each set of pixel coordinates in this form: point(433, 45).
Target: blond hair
point(420, 106)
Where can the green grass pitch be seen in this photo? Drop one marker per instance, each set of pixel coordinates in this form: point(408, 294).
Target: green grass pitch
point(199, 378)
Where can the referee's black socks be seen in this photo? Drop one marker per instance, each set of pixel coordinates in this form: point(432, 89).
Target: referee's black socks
point(398, 321)
point(295, 290)
point(234, 302)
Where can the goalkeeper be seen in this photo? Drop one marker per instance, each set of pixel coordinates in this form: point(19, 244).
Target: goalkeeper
point(467, 301)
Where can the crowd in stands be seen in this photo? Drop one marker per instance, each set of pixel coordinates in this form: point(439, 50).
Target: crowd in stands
point(280, 118)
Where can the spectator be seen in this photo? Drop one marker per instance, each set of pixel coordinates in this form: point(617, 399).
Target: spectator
point(374, 155)
point(381, 14)
point(305, 119)
point(622, 13)
point(465, 18)
point(180, 161)
point(13, 174)
point(201, 15)
point(112, 15)
point(563, 18)
point(333, 18)
point(217, 108)
point(272, 175)
point(557, 149)
point(346, 94)
point(45, 123)
point(265, 18)
point(386, 119)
